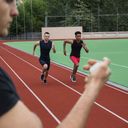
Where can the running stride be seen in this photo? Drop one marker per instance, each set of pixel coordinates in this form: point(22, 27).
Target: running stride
point(76, 46)
point(45, 46)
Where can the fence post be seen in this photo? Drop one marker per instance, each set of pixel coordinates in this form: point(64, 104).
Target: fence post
point(117, 20)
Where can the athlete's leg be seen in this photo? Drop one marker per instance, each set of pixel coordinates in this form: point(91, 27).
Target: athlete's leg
point(44, 69)
point(76, 61)
point(75, 68)
point(47, 67)
point(45, 76)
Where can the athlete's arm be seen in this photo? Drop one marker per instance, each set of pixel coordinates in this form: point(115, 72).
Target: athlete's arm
point(77, 118)
point(53, 48)
point(85, 47)
point(34, 47)
point(64, 45)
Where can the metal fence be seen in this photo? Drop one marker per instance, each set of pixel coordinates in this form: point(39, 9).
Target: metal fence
point(98, 22)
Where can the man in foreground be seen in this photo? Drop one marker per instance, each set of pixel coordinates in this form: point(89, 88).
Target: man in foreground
point(15, 114)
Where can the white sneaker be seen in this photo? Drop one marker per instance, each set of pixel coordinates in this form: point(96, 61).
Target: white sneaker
point(73, 78)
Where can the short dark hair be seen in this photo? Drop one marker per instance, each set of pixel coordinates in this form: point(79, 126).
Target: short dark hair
point(46, 33)
point(77, 32)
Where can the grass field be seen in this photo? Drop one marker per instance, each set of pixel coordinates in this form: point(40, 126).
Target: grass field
point(115, 49)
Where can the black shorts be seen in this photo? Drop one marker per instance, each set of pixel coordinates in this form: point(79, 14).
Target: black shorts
point(45, 61)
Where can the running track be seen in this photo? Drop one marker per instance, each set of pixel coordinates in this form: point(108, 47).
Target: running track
point(52, 102)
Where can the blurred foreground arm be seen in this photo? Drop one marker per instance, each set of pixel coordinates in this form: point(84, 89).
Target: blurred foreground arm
point(17, 115)
point(77, 118)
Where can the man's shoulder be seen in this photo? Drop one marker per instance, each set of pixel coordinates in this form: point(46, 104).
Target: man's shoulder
point(50, 41)
point(81, 41)
point(3, 75)
point(5, 81)
point(8, 94)
point(75, 41)
point(41, 41)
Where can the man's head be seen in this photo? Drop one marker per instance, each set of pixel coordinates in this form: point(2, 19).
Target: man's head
point(46, 36)
point(8, 10)
point(78, 35)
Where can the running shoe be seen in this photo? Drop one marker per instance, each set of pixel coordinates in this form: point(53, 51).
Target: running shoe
point(73, 78)
point(42, 77)
point(45, 81)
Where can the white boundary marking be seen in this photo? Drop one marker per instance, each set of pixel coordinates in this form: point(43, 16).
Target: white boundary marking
point(117, 87)
point(123, 66)
point(114, 86)
point(104, 108)
point(31, 91)
point(109, 83)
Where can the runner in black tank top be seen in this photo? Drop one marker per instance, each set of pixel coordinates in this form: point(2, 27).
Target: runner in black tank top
point(76, 46)
point(45, 52)
point(45, 47)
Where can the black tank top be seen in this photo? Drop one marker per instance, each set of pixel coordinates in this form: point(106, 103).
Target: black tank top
point(45, 49)
point(76, 48)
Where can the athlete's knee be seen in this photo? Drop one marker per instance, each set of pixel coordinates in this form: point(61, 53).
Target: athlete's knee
point(76, 65)
point(45, 66)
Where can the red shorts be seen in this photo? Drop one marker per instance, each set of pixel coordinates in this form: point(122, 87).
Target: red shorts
point(75, 60)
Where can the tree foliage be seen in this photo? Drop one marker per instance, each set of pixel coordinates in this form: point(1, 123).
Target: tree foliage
point(93, 15)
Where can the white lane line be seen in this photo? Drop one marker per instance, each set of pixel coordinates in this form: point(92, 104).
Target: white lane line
point(123, 66)
point(38, 99)
point(121, 118)
point(118, 65)
point(104, 108)
point(117, 87)
point(83, 75)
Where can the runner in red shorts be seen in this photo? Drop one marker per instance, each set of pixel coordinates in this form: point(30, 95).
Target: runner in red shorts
point(76, 46)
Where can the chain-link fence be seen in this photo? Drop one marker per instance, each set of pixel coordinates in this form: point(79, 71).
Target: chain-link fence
point(97, 23)
point(28, 25)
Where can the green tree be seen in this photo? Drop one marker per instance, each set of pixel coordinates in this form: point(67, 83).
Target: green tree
point(93, 15)
point(31, 18)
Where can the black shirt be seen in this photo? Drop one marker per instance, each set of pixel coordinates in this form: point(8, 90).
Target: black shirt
point(45, 49)
point(8, 95)
point(76, 48)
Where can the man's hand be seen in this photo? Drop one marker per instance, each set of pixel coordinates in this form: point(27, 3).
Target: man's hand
point(99, 71)
point(87, 50)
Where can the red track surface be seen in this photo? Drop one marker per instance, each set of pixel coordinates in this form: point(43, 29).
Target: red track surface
point(59, 95)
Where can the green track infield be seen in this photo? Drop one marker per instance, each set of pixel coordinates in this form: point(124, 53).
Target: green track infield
point(115, 49)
